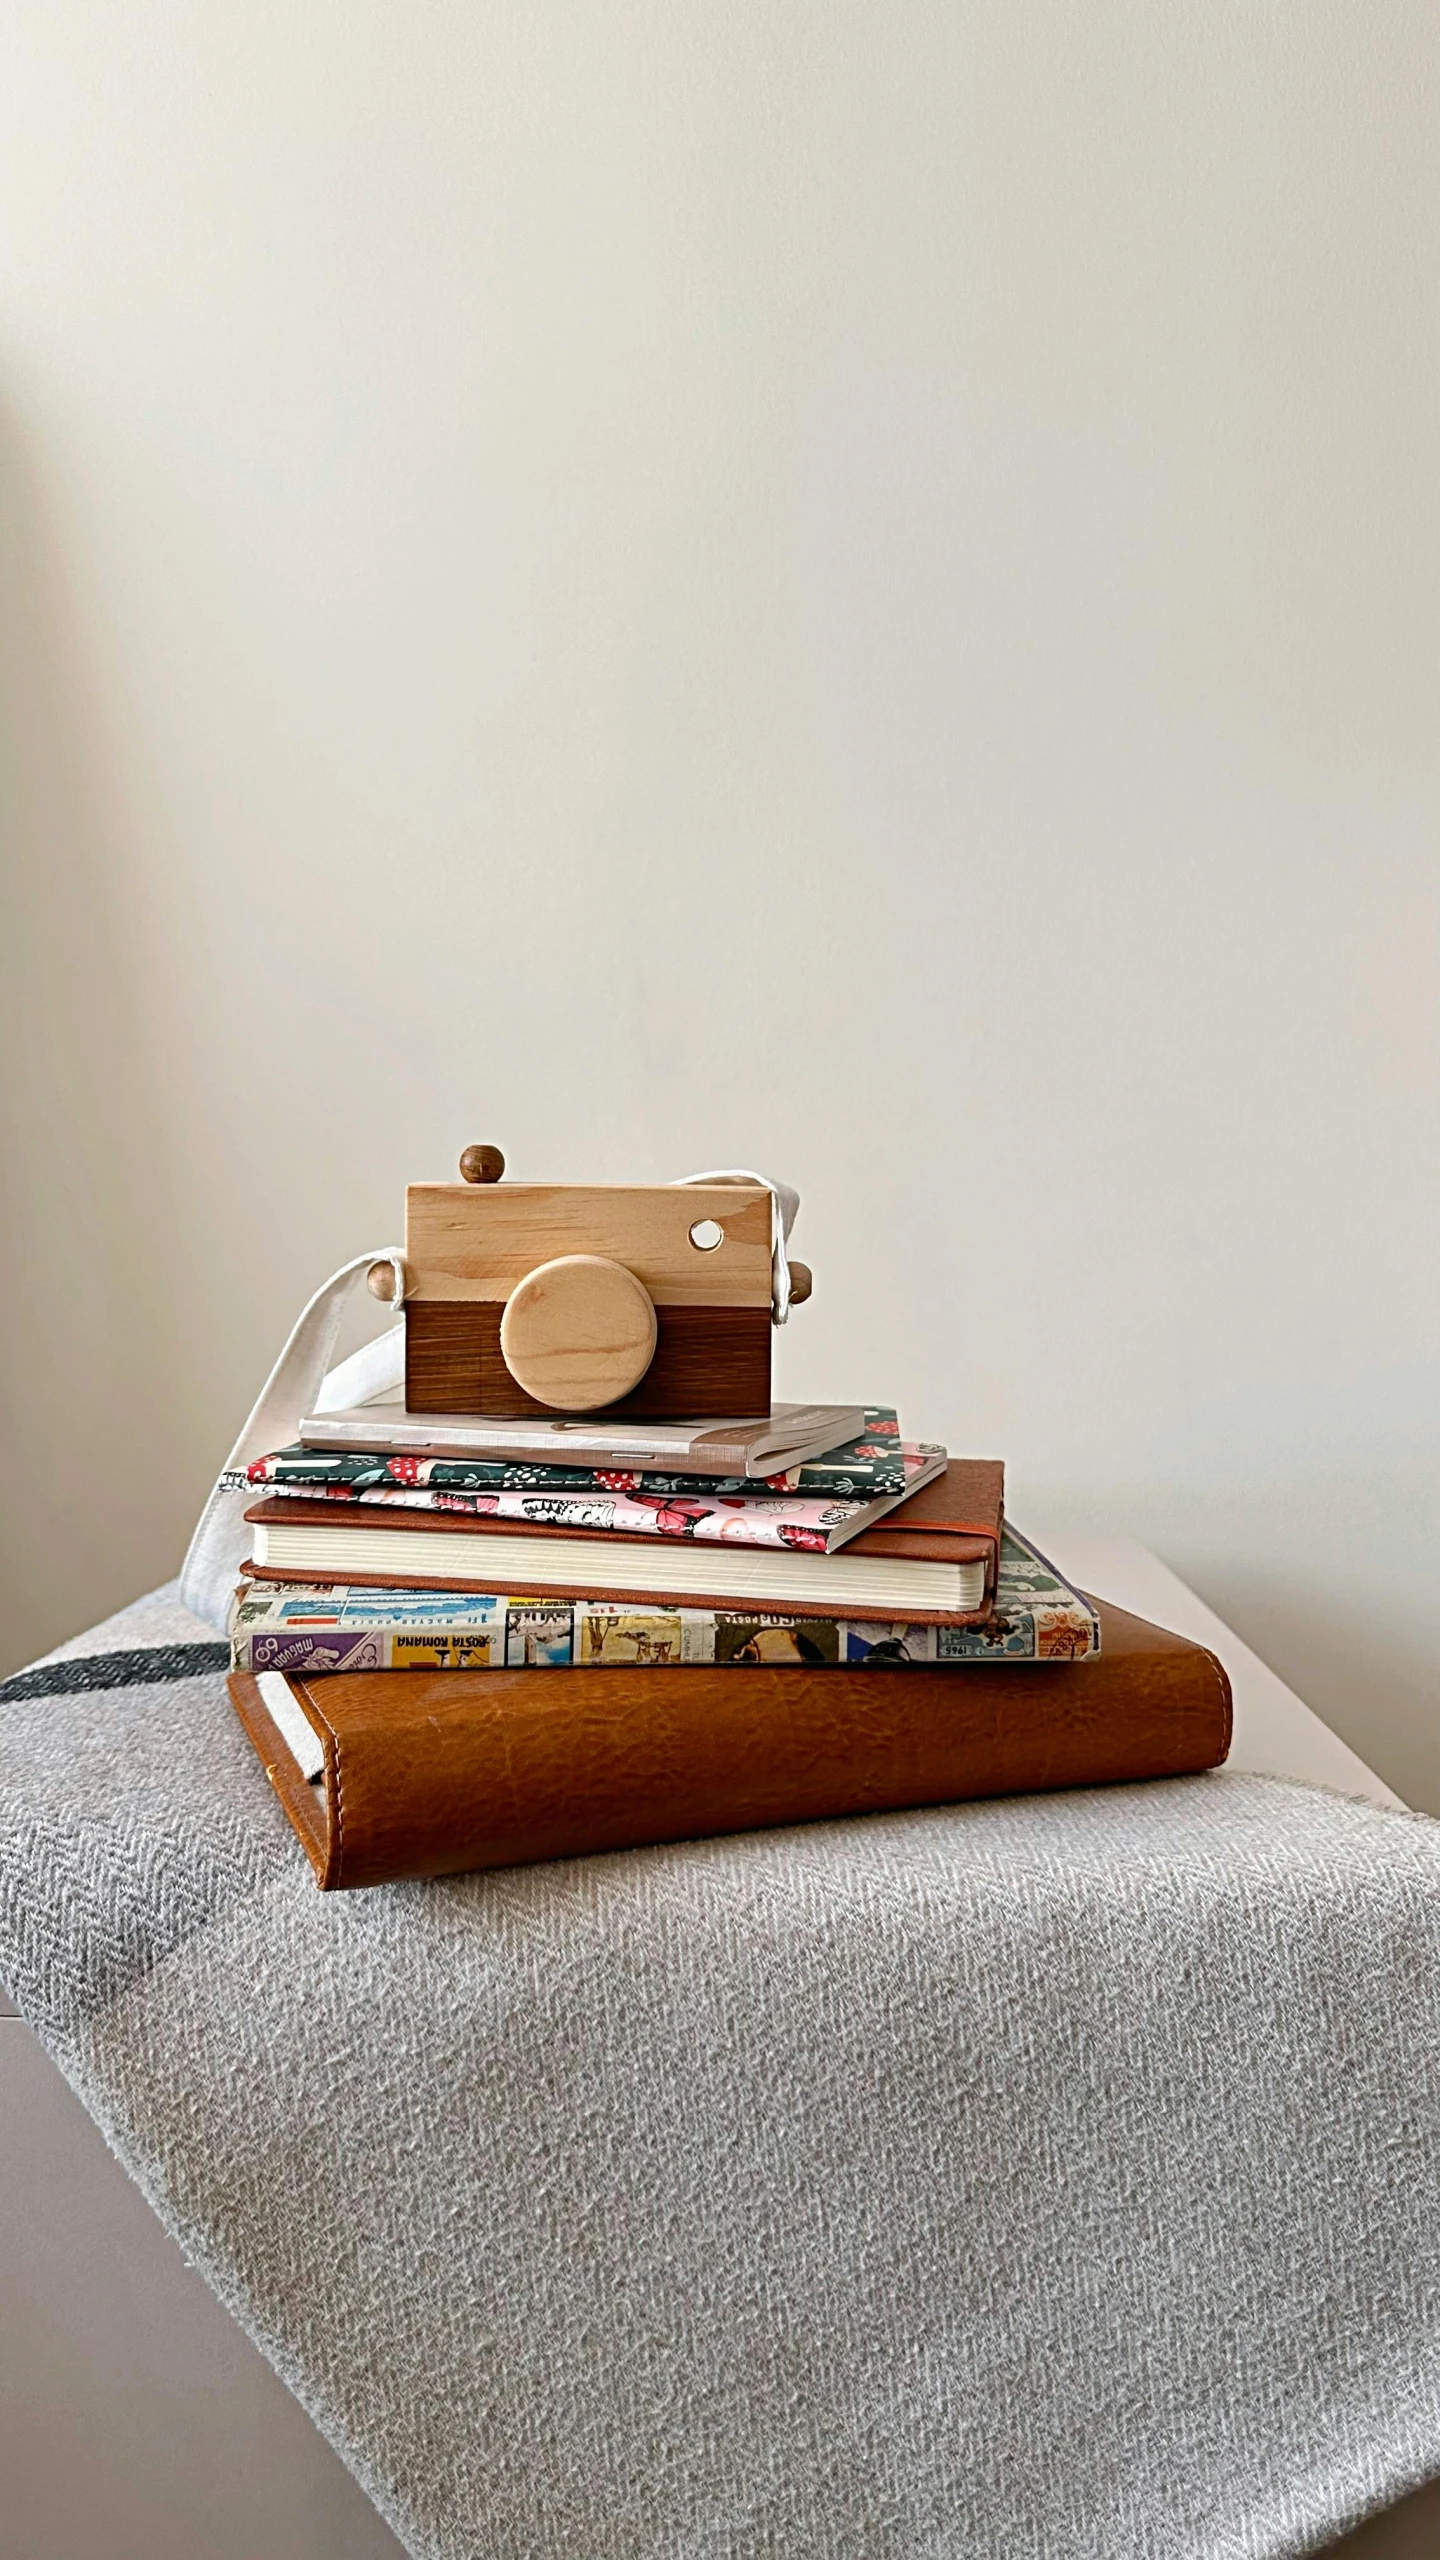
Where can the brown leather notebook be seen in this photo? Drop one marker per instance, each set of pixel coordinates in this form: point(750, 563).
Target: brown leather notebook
point(428, 1773)
point(950, 1530)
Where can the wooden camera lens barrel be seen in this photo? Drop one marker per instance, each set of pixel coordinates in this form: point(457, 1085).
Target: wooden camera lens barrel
point(578, 1332)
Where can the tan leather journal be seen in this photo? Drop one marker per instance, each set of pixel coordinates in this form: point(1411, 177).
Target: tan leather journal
point(430, 1773)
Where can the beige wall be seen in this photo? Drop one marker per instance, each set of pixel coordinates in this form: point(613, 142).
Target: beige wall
point(851, 588)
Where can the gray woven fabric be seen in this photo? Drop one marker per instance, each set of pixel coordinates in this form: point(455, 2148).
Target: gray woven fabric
point(1035, 2180)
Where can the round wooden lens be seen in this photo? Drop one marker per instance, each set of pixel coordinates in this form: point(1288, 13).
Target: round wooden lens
point(578, 1332)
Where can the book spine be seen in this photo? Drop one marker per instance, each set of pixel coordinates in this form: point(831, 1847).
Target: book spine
point(309, 1639)
point(357, 1478)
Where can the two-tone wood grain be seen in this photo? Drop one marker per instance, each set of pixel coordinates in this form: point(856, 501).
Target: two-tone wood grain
point(533, 1297)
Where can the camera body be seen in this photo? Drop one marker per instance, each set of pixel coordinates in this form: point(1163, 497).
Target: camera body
point(651, 1301)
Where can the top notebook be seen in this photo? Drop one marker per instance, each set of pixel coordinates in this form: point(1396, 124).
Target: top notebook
point(789, 1435)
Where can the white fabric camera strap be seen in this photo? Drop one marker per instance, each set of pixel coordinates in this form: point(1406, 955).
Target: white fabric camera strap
point(301, 1382)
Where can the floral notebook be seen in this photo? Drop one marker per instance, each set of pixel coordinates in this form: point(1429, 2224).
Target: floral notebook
point(613, 1501)
point(862, 1470)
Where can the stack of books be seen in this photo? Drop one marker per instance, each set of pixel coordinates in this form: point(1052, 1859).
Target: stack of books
point(762, 1620)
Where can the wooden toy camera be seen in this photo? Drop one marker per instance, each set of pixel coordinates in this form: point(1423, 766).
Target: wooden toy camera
point(532, 1297)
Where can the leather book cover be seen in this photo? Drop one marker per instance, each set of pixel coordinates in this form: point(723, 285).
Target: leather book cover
point(433, 1773)
point(955, 1519)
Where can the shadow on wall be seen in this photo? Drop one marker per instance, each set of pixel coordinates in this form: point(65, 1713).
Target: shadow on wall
point(91, 1396)
point(1350, 1661)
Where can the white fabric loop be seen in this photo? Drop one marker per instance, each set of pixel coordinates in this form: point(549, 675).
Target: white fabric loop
point(298, 1384)
point(784, 1208)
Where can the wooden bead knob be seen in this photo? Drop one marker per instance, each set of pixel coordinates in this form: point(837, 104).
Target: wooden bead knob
point(380, 1281)
point(802, 1281)
point(578, 1332)
point(481, 1164)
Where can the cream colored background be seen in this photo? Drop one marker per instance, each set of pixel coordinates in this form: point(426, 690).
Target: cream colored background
point(845, 588)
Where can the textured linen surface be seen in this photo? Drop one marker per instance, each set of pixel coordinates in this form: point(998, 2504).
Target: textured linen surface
point(1041, 2179)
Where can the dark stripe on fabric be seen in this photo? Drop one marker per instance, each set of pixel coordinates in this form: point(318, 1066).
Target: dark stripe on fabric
point(143, 1664)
